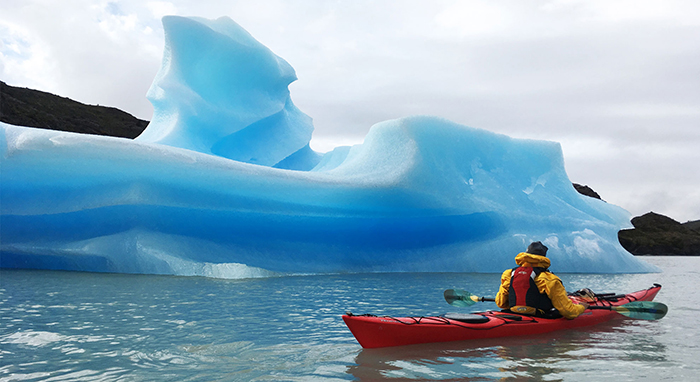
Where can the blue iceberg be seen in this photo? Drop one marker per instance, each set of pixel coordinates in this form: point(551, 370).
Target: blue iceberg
point(223, 183)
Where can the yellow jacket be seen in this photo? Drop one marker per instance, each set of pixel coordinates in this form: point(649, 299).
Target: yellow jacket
point(546, 282)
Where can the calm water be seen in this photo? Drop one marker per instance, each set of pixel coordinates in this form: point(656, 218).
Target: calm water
point(59, 326)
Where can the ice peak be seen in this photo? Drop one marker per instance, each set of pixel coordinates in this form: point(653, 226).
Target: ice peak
point(219, 91)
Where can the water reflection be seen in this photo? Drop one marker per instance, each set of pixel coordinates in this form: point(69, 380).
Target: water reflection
point(570, 355)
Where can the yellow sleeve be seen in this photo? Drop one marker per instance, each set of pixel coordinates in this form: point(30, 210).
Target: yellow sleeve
point(555, 291)
point(502, 296)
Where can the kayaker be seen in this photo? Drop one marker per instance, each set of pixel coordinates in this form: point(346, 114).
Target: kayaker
point(532, 289)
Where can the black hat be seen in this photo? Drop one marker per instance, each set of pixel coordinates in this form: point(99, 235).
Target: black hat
point(537, 248)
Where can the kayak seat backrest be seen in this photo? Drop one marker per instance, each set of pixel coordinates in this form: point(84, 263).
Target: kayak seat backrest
point(510, 317)
point(468, 318)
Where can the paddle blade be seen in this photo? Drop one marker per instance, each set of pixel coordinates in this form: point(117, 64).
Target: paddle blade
point(642, 310)
point(460, 298)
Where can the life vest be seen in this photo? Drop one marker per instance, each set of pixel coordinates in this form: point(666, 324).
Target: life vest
point(524, 296)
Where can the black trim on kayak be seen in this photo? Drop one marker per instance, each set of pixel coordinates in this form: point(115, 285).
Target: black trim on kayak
point(442, 320)
point(467, 317)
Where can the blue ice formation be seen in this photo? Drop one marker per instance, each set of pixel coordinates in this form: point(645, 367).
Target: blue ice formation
point(221, 92)
point(223, 183)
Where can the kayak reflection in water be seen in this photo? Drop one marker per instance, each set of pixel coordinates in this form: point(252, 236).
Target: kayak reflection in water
point(532, 289)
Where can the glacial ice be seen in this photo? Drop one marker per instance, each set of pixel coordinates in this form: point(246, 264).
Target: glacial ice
point(221, 92)
point(223, 183)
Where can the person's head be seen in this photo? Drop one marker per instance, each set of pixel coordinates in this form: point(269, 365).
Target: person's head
point(537, 248)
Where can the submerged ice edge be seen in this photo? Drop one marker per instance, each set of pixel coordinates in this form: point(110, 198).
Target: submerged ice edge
point(420, 194)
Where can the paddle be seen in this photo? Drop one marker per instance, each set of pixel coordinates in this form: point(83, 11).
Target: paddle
point(462, 298)
point(643, 310)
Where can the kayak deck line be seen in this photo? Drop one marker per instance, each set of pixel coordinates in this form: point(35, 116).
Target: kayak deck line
point(446, 320)
point(373, 331)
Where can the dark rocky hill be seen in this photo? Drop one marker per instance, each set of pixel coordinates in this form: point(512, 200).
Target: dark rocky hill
point(585, 190)
point(33, 108)
point(655, 234)
point(694, 225)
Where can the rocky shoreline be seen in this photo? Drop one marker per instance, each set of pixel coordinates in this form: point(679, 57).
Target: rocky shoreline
point(658, 235)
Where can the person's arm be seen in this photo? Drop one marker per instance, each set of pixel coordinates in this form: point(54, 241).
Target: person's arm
point(502, 296)
point(556, 292)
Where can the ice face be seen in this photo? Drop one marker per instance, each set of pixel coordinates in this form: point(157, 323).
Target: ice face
point(221, 92)
point(213, 187)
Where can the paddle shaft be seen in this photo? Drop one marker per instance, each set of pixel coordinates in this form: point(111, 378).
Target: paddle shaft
point(482, 299)
point(601, 307)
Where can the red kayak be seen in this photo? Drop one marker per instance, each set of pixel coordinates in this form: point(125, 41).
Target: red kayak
point(376, 332)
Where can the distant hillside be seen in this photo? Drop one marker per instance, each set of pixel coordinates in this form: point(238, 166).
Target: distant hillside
point(655, 234)
point(33, 108)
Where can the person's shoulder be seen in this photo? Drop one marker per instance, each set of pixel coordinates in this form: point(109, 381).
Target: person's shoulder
point(547, 274)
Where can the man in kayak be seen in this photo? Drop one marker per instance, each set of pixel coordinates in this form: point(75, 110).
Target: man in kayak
point(531, 289)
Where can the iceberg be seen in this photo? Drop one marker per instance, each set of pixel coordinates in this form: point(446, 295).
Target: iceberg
point(223, 183)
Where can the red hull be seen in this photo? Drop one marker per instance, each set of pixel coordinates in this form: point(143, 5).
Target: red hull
point(377, 332)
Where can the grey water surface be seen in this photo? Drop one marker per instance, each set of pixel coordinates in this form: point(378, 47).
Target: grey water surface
point(70, 326)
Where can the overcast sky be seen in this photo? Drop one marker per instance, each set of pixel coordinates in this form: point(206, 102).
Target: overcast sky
point(617, 83)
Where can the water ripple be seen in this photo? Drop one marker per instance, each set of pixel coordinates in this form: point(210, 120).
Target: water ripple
point(61, 326)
